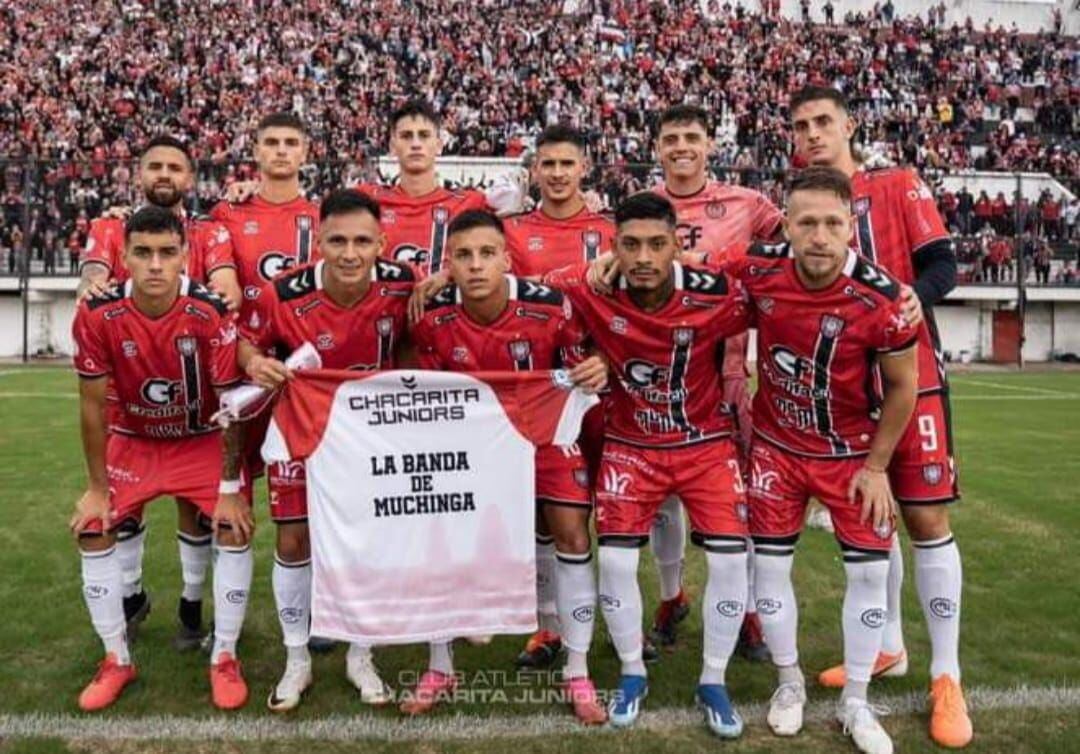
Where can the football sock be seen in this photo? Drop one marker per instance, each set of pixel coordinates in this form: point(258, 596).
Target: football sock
point(102, 591)
point(441, 657)
point(863, 615)
point(292, 596)
point(232, 583)
point(751, 580)
point(776, 595)
point(893, 639)
point(725, 604)
point(620, 599)
point(668, 542)
point(547, 611)
point(129, 551)
point(939, 580)
point(195, 554)
point(576, 595)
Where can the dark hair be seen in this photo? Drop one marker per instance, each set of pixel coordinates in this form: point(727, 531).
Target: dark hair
point(821, 178)
point(154, 219)
point(814, 93)
point(164, 140)
point(685, 114)
point(561, 135)
point(281, 119)
point(475, 218)
point(645, 206)
point(347, 201)
point(414, 108)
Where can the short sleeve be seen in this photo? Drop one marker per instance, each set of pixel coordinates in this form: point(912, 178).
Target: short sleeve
point(219, 248)
point(892, 333)
point(424, 340)
point(102, 245)
point(922, 221)
point(767, 220)
point(91, 355)
point(224, 371)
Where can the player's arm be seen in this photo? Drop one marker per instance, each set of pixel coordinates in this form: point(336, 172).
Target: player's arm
point(899, 375)
point(94, 502)
point(224, 282)
point(933, 255)
point(265, 371)
point(935, 271)
point(94, 280)
point(231, 512)
point(424, 291)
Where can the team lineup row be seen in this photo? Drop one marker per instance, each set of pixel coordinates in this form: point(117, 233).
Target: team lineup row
point(851, 407)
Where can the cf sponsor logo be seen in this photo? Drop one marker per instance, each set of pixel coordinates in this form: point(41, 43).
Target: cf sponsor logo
point(644, 373)
point(609, 603)
point(689, 234)
point(273, 263)
point(236, 596)
point(160, 392)
point(583, 614)
point(410, 253)
point(943, 607)
point(291, 614)
point(767, 606)
point(616, 482)
point(729, 608)
point(873, 618)
point(790, 363)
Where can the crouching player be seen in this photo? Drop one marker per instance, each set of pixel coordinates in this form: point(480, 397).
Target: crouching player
point(837, 380)
point(488, 320)
point(163, 345)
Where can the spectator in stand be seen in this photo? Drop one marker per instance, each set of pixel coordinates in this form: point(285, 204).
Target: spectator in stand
point(965, 205)
point(1050, 214)
point(1043, 257)
point(999, 214)
point(1070, 215)
point(984, 212)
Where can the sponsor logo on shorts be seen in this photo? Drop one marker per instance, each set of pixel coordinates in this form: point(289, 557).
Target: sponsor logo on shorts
point(609, 603)
point(290, 614)
point(729, 608)
point(583, 614)
point(932, 473)
point(236, 596)
point(942, 607)
point(767, 606)
point(616, 482)
point(873, 618)
point(581, 478)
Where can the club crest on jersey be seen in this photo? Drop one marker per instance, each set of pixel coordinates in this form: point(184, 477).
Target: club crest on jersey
point(520, 349)
point(460, 354)
point(618, 325)
point(682, 336)
point(251, 228)
point(536, 243)
point(389, 217)
point(130, 348)
point(441, 214)
point(932, 473)
point(715, 210)
point(861, 206)
point(831, 326)
point(385, 325)
point(324, 341)
point(186, 345)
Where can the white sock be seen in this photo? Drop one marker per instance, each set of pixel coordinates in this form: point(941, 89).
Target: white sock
point(751, 579)
point(292, 596)
point(130, 546)
point(232, 584)
point(939, 579)
point(668, 541)
point(547, 610)
point(620, 599)
point(893, 639)
point(441, 657)
point(863, 613)
point(777, 608)
point(103, 593)
point(195, 554)
point(576, 595)
point(723, 606)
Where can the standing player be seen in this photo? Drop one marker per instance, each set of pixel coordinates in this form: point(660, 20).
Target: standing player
point(668, 432)
point(351, 305)
point(898, 227)
point(712, 215)
point(163, 345)
point(494, 321)
point(825, 316)
point(166, 176)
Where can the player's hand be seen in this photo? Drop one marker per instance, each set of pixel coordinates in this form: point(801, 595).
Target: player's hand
point(232, 302)
point(93, 504)
point(602, 273)
point(98, 288)
point(590, 375)
point(693, 258)
point(910, 306)
point(234, 513)
point(423, 292)
point(118, 212)
point(878, 504)
point(267, 372)
point(241, 191)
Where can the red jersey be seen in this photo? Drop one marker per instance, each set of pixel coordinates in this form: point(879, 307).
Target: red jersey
point(415, 226)
point(162, 370)
point(896, 217)
point(268, 238)
point(534, 331)
point(538, 244)
point(210, 247)
point(667, 363)
point(294, 309)
point(817, 351)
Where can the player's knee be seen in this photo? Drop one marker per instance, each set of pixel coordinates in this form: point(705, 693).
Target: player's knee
point(572, 542)
point(293, 543)
point(925, 522)
point(227, 537)
point(96, 541)
point(189, 519)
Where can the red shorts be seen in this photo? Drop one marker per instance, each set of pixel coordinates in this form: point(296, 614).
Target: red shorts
point(141, 469)
point(634, 482)
point(288, 491)
point(562, 476)
point(592, 435)
point(783, 483)
point(737, 396)
point(254, 434)
point(923, 471)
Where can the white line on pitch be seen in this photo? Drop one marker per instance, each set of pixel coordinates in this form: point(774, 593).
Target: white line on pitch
point(1006, 386)
point(463, 727)
point(1058, 397)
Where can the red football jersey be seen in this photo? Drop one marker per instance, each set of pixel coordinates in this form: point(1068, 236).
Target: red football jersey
point(534, 331)
point(294, 309)
point(209, 247)
point(538, 244)
point(162, 371)
point(415, 227)
point(268, 239)
point(668, 391)
point(896, 216)
point(816, 391)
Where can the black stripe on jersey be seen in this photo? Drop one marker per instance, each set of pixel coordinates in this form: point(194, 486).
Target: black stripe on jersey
point(384, 329)
point(202, 293)
point(935, 344)
point(680, 361)
point(590, 244)
point(303, 239)
point(824, 350)
point(189, 371)
point(865, 229)
point(440, 220)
